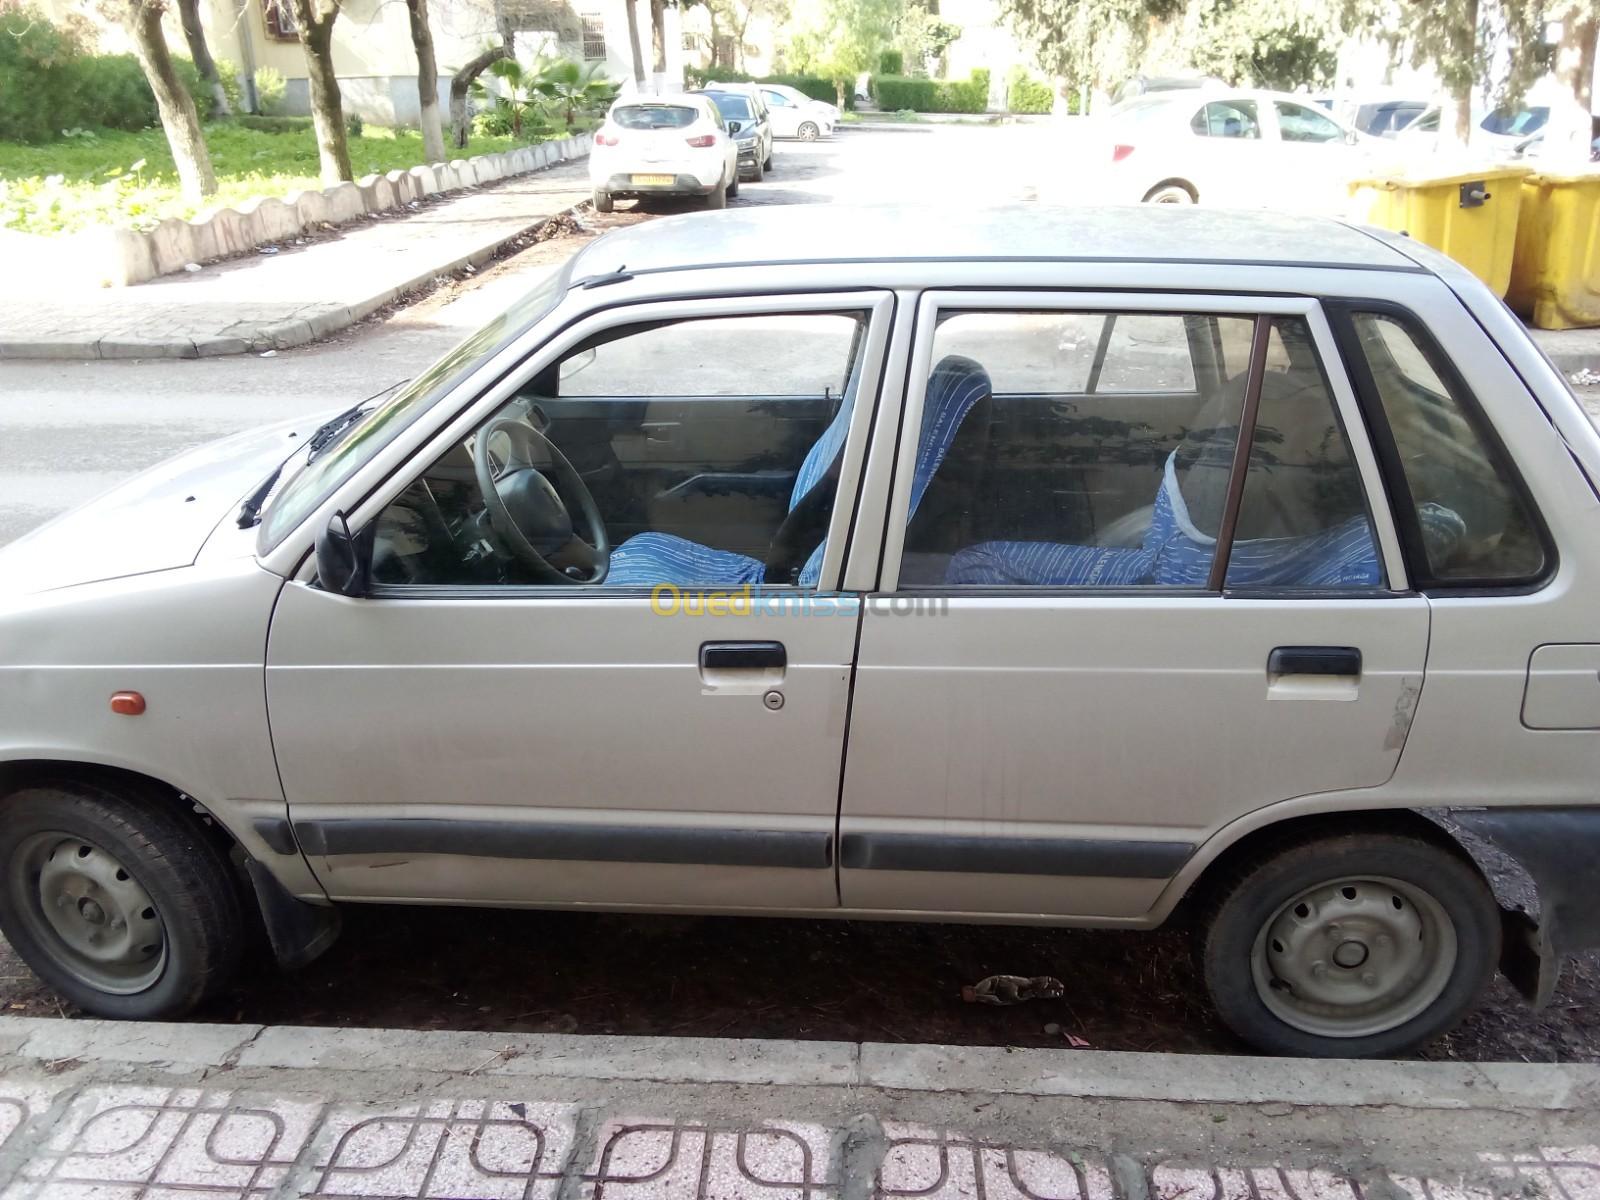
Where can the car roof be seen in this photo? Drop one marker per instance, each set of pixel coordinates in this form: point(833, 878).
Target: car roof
point(799, 234)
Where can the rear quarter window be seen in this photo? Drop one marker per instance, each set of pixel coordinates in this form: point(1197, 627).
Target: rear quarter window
point(1473, 520)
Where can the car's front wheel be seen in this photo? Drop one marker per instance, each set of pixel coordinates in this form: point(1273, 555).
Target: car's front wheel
point(808, 131)
point(766, 163)
point(121, 903)
point(1355, 946)
point(603, 201)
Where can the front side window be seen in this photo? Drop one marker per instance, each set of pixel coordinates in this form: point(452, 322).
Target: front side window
point(1081, 450)
point(698, 453)
point(1297, 123)
point(1228, 119)
point(1471, 519)
point(776, 99)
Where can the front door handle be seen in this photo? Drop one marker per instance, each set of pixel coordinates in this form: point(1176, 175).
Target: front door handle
point(1315, 660)
point(743, 656)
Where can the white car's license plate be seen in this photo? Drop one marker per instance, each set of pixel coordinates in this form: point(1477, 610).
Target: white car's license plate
point(650, 180)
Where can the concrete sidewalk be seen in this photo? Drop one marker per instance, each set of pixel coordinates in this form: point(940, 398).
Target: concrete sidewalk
point(114, 1111)
point(275, 301)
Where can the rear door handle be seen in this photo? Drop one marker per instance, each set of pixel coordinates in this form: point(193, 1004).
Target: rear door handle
point(1315, 660)
point(743, 656)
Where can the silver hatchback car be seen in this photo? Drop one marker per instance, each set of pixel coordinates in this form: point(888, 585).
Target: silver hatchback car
point(1067, 568)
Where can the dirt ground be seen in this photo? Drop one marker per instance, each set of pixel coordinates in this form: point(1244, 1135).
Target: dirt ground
point(536, 972)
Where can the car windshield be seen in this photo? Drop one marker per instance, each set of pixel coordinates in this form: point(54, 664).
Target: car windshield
point(319, 477)
point(734, 108)
point(654, 116)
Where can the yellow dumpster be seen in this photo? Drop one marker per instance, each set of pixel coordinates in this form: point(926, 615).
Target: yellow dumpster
point(1555, 277)
point(1470, 215)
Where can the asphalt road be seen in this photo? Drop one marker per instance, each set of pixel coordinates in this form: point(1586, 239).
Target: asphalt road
point(70, 430)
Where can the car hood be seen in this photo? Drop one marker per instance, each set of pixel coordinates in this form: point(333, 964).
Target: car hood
point(155, 521)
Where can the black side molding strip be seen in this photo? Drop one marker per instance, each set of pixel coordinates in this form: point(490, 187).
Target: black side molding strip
point(568, 842)
point(274, 831)
point(1012, 855)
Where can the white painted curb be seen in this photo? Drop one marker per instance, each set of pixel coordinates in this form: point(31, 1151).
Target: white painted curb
point(105, 256)
point(1179, 1078)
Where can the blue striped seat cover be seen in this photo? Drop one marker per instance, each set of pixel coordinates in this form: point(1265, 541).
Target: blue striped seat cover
point(651, 558)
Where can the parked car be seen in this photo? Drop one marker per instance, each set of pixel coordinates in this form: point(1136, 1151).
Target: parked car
point(1499, 133)
point(1146, 85)
point(1386, 117)
point(674, 145)
point(1239, 148)
point(797, 115)
point(1208, 560)
point(749, 121)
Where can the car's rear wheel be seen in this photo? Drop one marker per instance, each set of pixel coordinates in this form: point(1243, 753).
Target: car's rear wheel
point(1171, 193)
point(124, 906)
point(1358, 946)
point(603, 201)
point(718, 197)
point(808, 131)
point(733, 186)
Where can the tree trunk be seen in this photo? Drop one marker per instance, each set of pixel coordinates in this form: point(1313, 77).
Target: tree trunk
point(427, 81)
point(658, 43)
point(462, 80)
point(838, 89)
point(1571, 130)
point(179, 120)
point(195, 34)
point(633, 42)
point(327, 109)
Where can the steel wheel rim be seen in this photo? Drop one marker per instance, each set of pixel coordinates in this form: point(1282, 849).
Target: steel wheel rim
point(1354, 957)
point(88, 913)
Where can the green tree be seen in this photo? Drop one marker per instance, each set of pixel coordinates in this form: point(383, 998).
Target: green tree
point(573, 86)
point(1278, 44)
point(841, 38)
point(1090, 43)
point(141, 19)
point(314, 19)
point(923, 36)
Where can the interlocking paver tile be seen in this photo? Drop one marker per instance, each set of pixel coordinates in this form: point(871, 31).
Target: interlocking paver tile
point(946, 1165)
point(148, 1143)
point(665, 1160)
point(461, 1149)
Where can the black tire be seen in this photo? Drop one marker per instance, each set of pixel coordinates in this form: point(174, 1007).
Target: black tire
point(1244, 908)
point(718, 197)
point(757, 172)
point(766, 163)
point(603, 201)
point(733, 186)
point(197, 898)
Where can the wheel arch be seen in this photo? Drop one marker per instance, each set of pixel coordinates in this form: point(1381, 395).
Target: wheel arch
point(1173, 181)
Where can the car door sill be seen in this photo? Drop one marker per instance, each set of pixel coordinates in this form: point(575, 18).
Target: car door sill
point(1084, 857)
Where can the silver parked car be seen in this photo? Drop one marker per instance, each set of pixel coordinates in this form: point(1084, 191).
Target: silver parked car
point(1057, 567)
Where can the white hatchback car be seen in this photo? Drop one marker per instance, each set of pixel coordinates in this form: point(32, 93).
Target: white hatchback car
point(1236, 148)
point(673, 145)
point(797, 115)
point(1063, 567)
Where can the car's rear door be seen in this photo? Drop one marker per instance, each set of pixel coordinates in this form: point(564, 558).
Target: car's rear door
point(1110, 623)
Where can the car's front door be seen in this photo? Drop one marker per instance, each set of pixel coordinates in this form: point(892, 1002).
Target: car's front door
point(484, 727)
point(1115, 622)
point(784, 114)
point(1315, 159)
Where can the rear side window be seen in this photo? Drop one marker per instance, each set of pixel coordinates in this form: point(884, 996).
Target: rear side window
point(655, 116)
point(1473, 521)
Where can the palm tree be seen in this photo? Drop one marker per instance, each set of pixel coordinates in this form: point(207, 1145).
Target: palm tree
point(514, 97)
point(574, 86)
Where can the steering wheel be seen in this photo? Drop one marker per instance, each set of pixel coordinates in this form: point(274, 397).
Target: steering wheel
point(526, 511)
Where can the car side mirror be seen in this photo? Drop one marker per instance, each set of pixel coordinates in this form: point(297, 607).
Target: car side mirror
point(344, 559)
point(1352, 138)
point(735, 126)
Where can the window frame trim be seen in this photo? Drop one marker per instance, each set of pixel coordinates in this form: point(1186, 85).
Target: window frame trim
point(1256, 306)
point(364, 498)
point(1341, 315)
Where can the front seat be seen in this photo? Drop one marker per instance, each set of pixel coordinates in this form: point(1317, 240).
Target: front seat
point(647, 559)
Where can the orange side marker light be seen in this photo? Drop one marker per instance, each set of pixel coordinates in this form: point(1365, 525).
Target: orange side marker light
point(127, 704)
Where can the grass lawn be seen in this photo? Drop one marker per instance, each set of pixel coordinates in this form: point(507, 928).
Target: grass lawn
point(127, 179)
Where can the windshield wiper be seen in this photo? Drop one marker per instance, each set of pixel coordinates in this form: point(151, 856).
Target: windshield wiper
point(332, 430)
point(250, 510)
